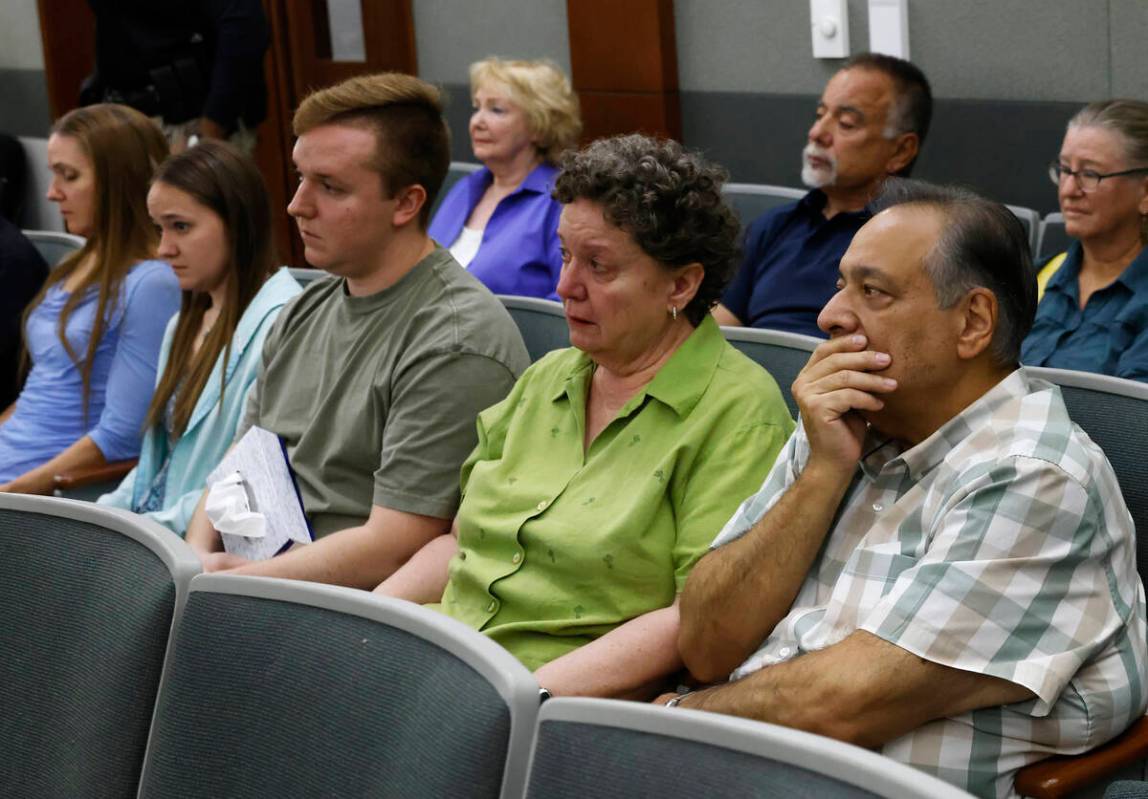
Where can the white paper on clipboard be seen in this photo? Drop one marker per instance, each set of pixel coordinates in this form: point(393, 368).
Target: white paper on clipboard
point(261, 464)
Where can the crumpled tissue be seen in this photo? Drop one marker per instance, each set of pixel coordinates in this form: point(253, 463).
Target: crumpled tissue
point(229, 509)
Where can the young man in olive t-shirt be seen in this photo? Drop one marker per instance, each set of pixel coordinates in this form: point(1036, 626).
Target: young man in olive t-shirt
point(373, 381)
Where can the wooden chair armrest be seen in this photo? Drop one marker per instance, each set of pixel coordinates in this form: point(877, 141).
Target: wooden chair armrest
point(78, 478)
point(1061, 776)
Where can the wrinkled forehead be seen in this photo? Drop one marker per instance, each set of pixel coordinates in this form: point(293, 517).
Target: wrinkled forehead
point(1095, 144)
point(584, 225)
point(493, 88)
point(868, 90)
point(895, 244)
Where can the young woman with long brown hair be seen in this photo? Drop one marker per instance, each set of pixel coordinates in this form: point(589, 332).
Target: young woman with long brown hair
point(211, 208)
point(93, 332)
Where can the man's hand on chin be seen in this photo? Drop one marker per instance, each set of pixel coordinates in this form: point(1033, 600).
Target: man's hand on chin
point(832, 392)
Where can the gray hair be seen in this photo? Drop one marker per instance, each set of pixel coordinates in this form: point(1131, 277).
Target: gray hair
point(1128, 119)
point(912, 109)
point(982, 245)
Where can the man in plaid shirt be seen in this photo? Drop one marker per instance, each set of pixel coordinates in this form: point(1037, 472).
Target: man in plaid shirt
point(940, 564)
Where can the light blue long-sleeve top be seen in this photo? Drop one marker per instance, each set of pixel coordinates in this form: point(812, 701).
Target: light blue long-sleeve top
point(212, 425)
point(49, 415)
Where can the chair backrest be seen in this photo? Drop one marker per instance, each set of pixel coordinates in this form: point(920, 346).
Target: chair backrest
point(457, 171)
point(306, 277)
point(54, 246)
point(1054, 239)
point(542, 324)
point(751, 200)
point(591, 748)
point(1114, 414)
point(87, 600)
point(781, 353)
point(38, 213)
point(1031, 221)
point(286, 688)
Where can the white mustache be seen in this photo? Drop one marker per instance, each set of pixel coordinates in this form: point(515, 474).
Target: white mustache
point(817, 151)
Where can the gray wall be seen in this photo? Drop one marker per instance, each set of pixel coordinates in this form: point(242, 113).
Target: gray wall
point(1007, 74)
point(1035, 50)
point(450, 35)
point(23, 93)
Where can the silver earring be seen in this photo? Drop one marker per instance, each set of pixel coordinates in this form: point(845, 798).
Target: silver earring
point(674, 312)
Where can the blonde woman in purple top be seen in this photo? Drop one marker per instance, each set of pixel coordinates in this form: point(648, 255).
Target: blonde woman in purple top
point(501, 222)
point(94, 331)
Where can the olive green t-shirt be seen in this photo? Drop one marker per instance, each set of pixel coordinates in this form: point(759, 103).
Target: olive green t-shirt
point(556, 545)
point(375, 397)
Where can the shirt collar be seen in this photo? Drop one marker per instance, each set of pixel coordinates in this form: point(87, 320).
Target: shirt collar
point(815, 202)
point(1135, 275)
point(679, 384)
point(1066, 279)
point(539, 181)
point(883, 453)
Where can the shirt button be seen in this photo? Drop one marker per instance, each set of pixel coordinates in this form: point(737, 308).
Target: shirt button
point(785, 651)
point(541, 505)
point(462, 556)
point(517, 557)
point(878, 507)
point(490, 608)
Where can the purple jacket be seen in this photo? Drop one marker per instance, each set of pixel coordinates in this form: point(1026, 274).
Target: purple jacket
point(519, 253)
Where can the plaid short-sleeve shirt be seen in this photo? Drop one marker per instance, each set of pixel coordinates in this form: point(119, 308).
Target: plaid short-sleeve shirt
point(1000, 545)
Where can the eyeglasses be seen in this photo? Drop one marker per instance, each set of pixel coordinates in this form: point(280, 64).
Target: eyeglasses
point(1087, 179)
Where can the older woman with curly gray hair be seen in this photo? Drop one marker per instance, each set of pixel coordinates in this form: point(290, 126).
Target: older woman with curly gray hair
point(602, 478)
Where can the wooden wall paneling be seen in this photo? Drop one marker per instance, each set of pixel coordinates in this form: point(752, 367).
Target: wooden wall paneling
point(389, 30)
point(388, 35)
point(302, 37)
point(608, 113)
point(275, 140)
point(624, 61)
point(68, 35)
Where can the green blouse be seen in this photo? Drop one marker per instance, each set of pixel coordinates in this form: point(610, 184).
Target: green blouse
point(557, 545)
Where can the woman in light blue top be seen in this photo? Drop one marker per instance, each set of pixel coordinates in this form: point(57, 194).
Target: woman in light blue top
point(211, 207)
point(93, 333)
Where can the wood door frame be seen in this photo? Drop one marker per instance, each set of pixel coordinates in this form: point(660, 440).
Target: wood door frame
point(624, 65)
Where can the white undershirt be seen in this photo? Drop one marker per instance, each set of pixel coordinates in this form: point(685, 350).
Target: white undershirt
point(466, 246)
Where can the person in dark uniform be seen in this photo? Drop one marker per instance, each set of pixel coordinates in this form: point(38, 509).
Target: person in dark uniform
point(196, 66)
point(22, 273)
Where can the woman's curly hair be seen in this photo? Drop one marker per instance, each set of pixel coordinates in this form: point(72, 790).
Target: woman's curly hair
point(668, 198)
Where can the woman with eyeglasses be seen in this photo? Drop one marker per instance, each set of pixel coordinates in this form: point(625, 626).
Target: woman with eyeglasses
point(1093, 314)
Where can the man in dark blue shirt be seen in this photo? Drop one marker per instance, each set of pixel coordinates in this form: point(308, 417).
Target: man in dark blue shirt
point(869, 124)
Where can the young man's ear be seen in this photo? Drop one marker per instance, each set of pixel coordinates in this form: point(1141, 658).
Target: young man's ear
point(408, 203)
